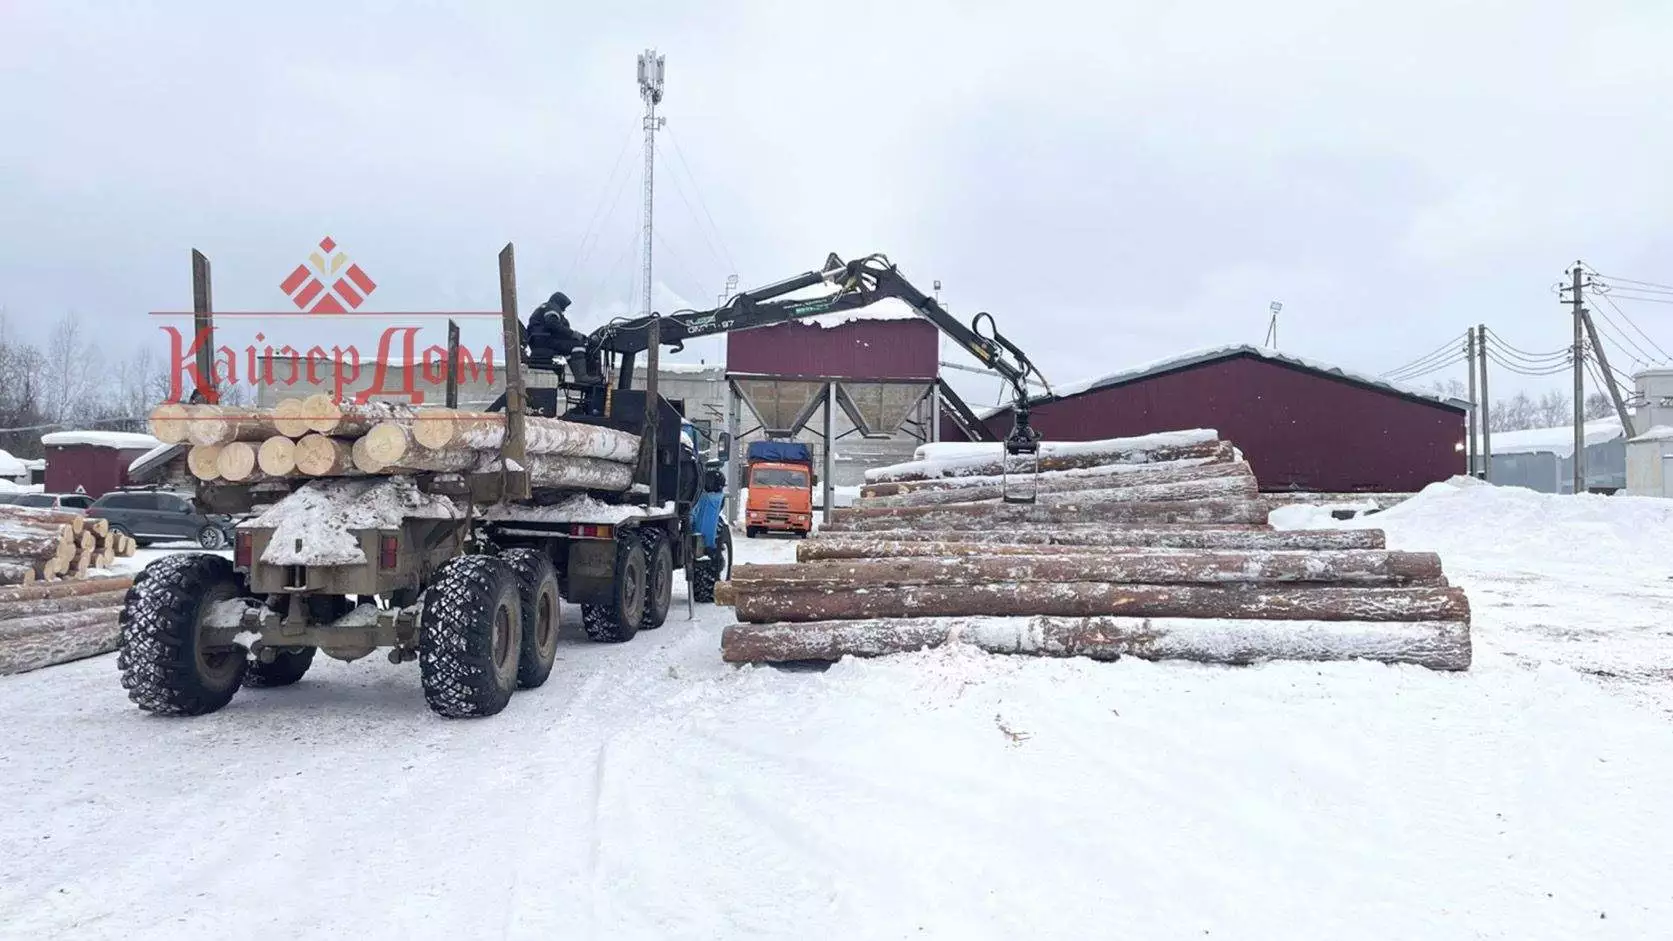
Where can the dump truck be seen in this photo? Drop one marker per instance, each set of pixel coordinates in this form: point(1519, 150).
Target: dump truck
point(780, 478)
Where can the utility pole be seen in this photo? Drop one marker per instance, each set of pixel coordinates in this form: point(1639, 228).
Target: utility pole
point(650, 89)
point(1578, 301)
point(1608, 377)
point(1475, 405)
point(1486, 417)
point(1272, 325)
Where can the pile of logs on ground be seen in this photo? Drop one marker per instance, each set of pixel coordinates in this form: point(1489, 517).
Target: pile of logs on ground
point(1153, 547)
point(45, 624)
point(46, 545)
point(319, 437)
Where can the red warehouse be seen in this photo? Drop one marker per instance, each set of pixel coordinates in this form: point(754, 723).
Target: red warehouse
point(95, 461)
point(1302, 425)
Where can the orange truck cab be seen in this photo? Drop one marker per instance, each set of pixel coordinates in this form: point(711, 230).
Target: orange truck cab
point(780, 479)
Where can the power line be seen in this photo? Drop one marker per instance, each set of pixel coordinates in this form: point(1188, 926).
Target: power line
point(1647, 284)
point(604, 223)
point(1664, 354)
point(680, 154)
point(707, 242)
point(1519, 353)
point(603, 194)
point(1409, 375)
point(1449, 348)
point(1523, 370)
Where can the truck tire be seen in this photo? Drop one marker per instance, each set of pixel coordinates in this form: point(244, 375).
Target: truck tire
point(618, 621)
point(537, 587)
point(286, 668)
point(164, 666)
point(659, 579)
point(468, 641)
point(712, 569)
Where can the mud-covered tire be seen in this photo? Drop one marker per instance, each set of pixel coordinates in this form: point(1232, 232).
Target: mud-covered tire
point(537, 587)
point(618, 621)
point(288, 666)
point(659, 579)
point(712, 569)
point(468, 640)
point(164, 669)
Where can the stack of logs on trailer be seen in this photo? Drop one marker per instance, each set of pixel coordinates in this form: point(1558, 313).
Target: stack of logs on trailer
point(298, 439)
point(1155, 547)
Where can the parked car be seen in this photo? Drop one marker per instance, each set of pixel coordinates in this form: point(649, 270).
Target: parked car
point(159, 516)
point(8, 497)
point(67, 502)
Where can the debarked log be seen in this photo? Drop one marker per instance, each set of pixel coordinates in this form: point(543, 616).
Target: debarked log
point(1129, 566)
point(913, 543)
point(68, 637)
point(985, 515)
point(441, 428)
point(1436, 644)
point(1119, 451)
point(66, 589)
point(1221, 488)
point(1093, 478)
point(1090, 599)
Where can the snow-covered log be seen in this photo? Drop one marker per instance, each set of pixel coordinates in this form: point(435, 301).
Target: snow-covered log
point(1060, 455)
point(1137, 566)
point(290, 417)
point(10, 611)
point(1087, 599)
point(204, 461)
point(1223, 463)
point(277, 456)
point(170, 422)
point(41, 517)
point(908, 544)
point(16, 573)
point(392, 448)
point(223, 424)
point(32, 643)
point(329, 417)
point(34, 544)
point(440, 428)
point(321, 456)
point(1436, 644)
point(556, 472)
point(66, 589)
point(986, 515)
point(1227, 486)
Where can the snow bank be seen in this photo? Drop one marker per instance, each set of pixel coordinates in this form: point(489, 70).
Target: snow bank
point(121, 440)
point(580, 508)
point(1558, 441)
point(944, 459)
point(315, 525)
point(11, 466)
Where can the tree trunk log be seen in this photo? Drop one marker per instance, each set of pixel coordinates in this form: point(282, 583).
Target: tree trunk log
point(577, 473)
point(1436, 644)
point(996, 515)
point(32, 545)
point(1090, 478)
point(905, 544)
point(67, 589)
point(333, 419)
point(237, 462)
point(320, 456)
point(277, 456)
point(223, 424)
point(1082, 454)
point(485, 431)
point(391, 448)
point(1087, 599)
point(362, 456)
point(1226, 487)
point(1131, 566)
point(43, 518)
point(98, 526)
point(71, 637)
point(11, 611)
point(170, 422)
point(290, 418)
point(16, 573)
point(204, 461)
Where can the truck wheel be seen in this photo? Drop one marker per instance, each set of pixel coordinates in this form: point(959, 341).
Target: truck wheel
point(165, 667)
point(468, 640)
point(750, 532)
point(618, 621)
point(286, 668)
point(659, 579)
point(713, 569)
point(537, 587)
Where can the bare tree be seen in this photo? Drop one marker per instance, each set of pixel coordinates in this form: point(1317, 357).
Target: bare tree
point(1599, 405)
point(72, 362)
point(1554, 410)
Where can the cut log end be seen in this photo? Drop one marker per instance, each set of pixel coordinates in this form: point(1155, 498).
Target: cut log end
point(321, 456)
point(389, 442)
point(170, 422)
point(290, 418)
point(203, 460)
point(322, 413)
point(277, 456)
point(361, 454)
point(433, 428)
point(237, 461)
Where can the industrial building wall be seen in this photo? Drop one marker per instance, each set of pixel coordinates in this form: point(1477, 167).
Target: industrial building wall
point(1300, 430)
point(859, 349)
point(95, 470)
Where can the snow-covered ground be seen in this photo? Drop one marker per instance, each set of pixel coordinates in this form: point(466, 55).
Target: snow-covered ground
point(648, 791)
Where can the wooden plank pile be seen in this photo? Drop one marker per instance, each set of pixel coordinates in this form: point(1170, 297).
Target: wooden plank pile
point(45, 624)
point(46, 545)
point(318, 437)
point(1153, 547)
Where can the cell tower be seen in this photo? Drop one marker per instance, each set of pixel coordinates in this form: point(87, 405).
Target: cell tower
point(650, 89)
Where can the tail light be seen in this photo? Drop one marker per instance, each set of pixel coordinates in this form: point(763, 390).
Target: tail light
point(388, 548)
point(243, 549)
point(592, 531)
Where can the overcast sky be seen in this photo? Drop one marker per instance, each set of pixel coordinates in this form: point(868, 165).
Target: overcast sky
point(1114, 181)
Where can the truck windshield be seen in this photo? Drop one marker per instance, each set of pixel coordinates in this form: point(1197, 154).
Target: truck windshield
point(778, 477)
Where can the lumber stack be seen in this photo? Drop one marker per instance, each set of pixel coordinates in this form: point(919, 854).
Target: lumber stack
point(303, 438)
point(46, 624)
point(45, 545)
point(1154, 547)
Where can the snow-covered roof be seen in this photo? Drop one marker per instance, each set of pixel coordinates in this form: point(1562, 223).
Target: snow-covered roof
point(1658, 433)
point(1558, 441)
point(11, 466)
point(122, 440)
point(140, 468)
point(1216, 353)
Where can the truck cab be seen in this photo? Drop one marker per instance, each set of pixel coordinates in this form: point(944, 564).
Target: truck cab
point(780, 479)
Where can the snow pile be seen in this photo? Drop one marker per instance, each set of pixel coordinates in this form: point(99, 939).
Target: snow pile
point(11, 467)
point(316, 524)
point(580, 508)
point(1559, 440)
point(947, 459)
point(121, 440)
point(1658, 433)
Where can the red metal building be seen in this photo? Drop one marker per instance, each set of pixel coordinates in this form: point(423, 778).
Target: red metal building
point(95, 461)
point(876, 350)
point(1302, 425)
